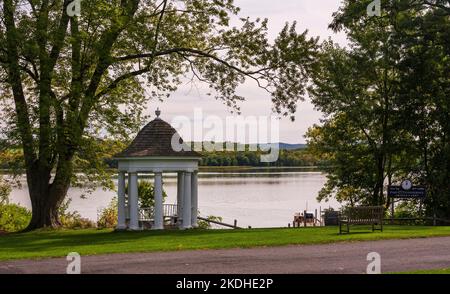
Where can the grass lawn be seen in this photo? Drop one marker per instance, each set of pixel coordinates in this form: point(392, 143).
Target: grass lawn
point(445, 271)
point(42, 244)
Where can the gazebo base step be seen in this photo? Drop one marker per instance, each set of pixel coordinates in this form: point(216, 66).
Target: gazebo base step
point(147, 225)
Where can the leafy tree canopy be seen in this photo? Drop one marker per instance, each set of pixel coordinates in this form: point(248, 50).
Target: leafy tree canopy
point(66, 80)
point(386, 103)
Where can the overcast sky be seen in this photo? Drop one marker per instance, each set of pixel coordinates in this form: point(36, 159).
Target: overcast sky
point(314, 15)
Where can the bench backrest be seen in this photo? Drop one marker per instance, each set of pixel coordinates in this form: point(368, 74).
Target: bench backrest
point(363, 213)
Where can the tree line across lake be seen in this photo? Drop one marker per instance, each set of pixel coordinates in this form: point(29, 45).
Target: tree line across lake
point(287, 158)
point(12, 159)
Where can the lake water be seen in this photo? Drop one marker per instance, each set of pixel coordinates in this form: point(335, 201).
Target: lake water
point(257, 199)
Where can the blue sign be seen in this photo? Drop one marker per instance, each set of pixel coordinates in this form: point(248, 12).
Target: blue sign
point(413, 193)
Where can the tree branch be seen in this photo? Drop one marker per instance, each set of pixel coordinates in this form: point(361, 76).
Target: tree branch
point(104, 60)
point(196, 52)
point(117, 81)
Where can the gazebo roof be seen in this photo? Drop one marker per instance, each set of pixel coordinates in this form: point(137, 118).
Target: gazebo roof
point(155, 140)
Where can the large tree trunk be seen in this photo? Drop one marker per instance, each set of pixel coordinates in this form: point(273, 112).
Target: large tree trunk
point(44, 211)
point(377, 196)
point(47, 197)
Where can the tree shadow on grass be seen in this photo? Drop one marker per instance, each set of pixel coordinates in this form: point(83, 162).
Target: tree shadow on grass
point(43, 240)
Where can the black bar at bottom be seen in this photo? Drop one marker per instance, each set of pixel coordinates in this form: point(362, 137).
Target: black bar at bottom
point(128, 284)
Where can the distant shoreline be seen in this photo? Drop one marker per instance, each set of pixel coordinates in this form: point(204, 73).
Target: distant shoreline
point(256, 168)
point(227, 169)
point(215, 170)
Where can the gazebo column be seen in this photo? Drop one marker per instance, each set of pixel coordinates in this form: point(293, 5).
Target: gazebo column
point(187, 207)
point(194, 197)
point(159, 211)
point(180, 186)
point(121, 214)
point(133, 200)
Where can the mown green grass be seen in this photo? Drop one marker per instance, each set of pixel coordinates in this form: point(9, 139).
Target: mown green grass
point(445, 271)
point(41, 244)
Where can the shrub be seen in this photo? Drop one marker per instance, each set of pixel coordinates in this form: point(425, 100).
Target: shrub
point(13, 218)
point(146, 194)
point(407, 209)
point(207, 225)
point(5, 189)
point(108, 216)
point(76, 222)
point(73, 220)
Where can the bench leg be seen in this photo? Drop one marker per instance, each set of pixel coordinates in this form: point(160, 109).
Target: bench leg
point(377, 227)
point(347, 230)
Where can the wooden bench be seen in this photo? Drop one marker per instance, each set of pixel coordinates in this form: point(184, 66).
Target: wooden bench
point(361, 215)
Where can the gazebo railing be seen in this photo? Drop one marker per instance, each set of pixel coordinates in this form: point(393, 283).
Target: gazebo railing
point(170, 210)
point(146, 213)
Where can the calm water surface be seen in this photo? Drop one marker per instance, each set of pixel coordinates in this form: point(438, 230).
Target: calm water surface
point(264, 199)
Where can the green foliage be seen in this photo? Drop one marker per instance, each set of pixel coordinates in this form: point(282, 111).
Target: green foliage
point(424, 100)
point(408, 209)
point(108, 216)
point(202, 224)
point(72, 220)
point(93, 160)
point(67, 82)
point(386, 103)
point(11, 159)
point(288, 158)
point(146, 193)
point(75, 221)
point(5, 189)
point(13, 218)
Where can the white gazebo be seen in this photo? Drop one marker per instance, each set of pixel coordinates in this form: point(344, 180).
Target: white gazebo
point(152, 151)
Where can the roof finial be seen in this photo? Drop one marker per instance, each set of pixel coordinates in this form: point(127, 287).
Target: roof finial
point(158, 112)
